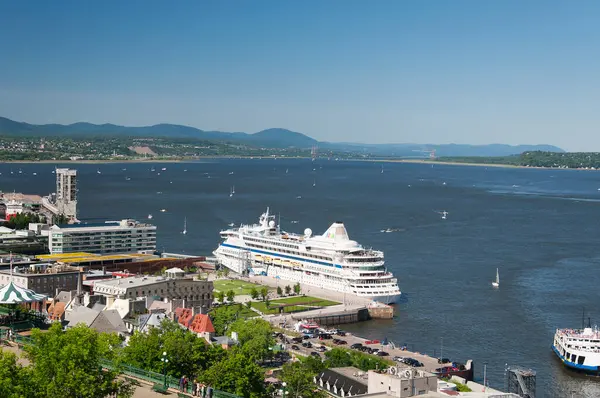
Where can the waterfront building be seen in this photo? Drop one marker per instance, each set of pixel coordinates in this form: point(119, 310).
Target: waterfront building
point(43, 278)
point(66, 192)
point(394, 382)
point(197, 294)
point(125, 236)
point(17, 203)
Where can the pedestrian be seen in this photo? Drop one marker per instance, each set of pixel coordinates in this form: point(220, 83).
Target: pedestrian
point(181, 381)
point(198, 388)
point(209, 392)
point(203, 390)
point(194, 391)
point(185, 383)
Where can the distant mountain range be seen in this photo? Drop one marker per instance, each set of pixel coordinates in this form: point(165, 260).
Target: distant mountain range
point(270, 138)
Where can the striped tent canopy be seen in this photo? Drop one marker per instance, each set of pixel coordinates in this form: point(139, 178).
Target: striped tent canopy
point(13, 294)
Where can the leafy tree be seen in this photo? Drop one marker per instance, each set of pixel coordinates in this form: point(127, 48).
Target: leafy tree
point(279, 290)
point(263, 293)
point(297, 288)
point(223, 316)
point(313, 364)
point(230, 296)
point(59, 219)
point(255, 337)
point(67, 364)
point(187, 354)
point(338, 358)
point(248, 304)
point(225, 272)
point(237, 374)
point(221, 297)
point(22, 220)
point(14, 379)
point(254, 294)
point(288, 289)
point(299, 381)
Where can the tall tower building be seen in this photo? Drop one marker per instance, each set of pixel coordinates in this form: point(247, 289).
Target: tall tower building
point(66, 192)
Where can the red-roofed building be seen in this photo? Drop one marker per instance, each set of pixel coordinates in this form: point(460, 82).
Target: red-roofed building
point(196, 323)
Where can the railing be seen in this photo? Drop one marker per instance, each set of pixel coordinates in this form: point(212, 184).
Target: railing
point(147, 375)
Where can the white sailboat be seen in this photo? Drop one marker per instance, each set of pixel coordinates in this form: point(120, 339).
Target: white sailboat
point(314, 183)
point(232, 191)
point(184, 226)
point(496, 283)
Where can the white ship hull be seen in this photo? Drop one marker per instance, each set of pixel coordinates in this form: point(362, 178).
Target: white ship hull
point(236, 265)
point(578, 349)
point(326, 262)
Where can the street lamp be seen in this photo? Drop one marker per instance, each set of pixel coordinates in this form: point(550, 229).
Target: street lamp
point(484, 376)
point(283, 391)
point(164, 360)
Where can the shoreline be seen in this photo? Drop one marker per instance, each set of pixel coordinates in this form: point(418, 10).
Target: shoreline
point(146, 160)
point(200, 158)
point(446, 163)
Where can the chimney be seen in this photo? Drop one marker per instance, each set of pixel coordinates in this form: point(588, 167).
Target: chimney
point(79, 284)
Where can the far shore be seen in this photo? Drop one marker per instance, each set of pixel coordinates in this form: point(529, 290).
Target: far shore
point(427, 161)
point(147, 160)
point(184, 160)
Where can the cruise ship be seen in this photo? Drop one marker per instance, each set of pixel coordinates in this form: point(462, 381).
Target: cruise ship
point(330, 261)
point(579, 349)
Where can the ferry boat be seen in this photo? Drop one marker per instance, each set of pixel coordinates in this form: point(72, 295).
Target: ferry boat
point(330, 261)
point(579, 349)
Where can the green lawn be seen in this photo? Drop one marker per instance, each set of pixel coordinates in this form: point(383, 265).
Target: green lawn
point(239, 287)
point(244, 313)
point(314, 301)
point(305, 303)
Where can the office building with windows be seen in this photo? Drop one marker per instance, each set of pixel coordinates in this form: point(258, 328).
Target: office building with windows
point(196, 293)
point(110, 237)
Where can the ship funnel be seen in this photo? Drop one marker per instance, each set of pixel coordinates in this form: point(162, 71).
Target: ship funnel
point(337, 232)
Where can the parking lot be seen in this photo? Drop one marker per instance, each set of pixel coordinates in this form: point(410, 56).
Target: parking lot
point(429, 364)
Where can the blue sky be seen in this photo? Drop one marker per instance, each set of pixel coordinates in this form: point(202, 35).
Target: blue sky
point(338, 70)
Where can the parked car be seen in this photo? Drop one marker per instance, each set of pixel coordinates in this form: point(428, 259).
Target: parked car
point(295, 347)
point(297, 339)
point(443, 360)
point(382, 354)
point(356, 346)
point(398, 359)
point(412, 362)
point(315, 354)
point(307, 344)
point(321, 349)
point(340, 332)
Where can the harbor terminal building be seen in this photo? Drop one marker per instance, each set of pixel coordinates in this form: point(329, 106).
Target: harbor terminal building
point(125, 236)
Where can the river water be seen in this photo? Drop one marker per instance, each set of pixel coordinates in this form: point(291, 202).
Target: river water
point(539, 227)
